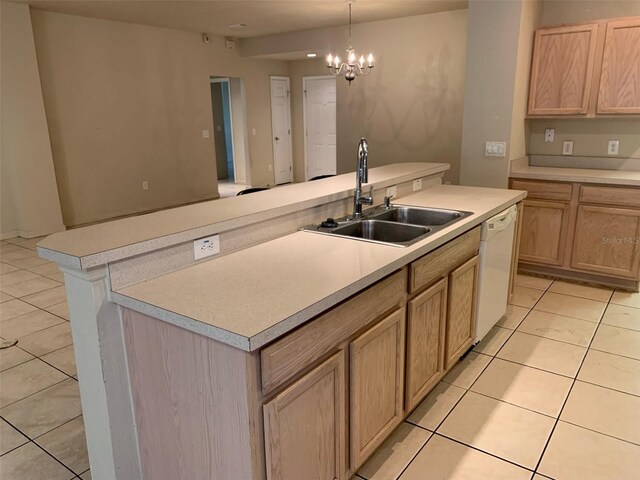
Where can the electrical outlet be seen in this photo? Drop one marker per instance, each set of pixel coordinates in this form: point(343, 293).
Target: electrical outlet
point(567, 147)
point(613, 147)
point(495, 149)
point(549, 135)
point(392, 191)
point(205, 247)
point(205, 133)
point(145, 185)
point(417, 184)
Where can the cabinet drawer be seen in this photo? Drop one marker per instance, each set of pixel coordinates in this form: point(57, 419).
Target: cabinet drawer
point(544, 190)
point(438, 263)
point(626, 197)
point(298, 350)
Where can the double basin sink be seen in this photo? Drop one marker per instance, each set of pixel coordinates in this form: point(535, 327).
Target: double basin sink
point(398, 225)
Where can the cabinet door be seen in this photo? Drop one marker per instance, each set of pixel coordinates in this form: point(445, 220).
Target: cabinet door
point(377, 385)
point(426, 321)
point(562, 69)
point(305, 426)
point(544, 232)
point(607, 241)
point(461, 312)
point(619, 90)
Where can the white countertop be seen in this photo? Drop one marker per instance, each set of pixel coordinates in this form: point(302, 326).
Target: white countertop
point(582, 175)
point(249, 298)
point(111, 241)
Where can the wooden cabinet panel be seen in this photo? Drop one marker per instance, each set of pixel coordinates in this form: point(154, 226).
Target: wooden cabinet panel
point(609, 196)
point(305, 426)
point(426, 323)
point(562, 69)
point(544, 190)
point(438, 263)
point(461, 311)
point(619, 90)
point(376, 374)
point(544, 232)
point(607, 241)
point(298, 350)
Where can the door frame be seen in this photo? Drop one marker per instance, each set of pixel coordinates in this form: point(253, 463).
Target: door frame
point(273, 141)
point(228, 82)
point(304, 117)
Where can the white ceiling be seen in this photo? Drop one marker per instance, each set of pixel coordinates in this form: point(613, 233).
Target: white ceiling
point(262, 17)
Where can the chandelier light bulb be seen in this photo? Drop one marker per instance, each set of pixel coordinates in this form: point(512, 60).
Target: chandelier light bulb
point(352, 56)
point(361, 62)
point(337, 61)
point(329, 59)
point(370, 59)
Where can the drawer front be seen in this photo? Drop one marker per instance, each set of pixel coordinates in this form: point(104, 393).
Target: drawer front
point(440, 262)
point(625, 197)
point(544, 190)
point(298, 350)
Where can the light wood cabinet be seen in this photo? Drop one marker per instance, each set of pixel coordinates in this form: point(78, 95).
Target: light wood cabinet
point(607, 240)
point(426, 323)
point(562, 69)
point(461, 314)
point(376, 369)
point(544, 231)
point(619, 90)
point(305, 426)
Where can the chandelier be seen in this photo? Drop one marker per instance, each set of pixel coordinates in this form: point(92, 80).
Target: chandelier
point(354, 66)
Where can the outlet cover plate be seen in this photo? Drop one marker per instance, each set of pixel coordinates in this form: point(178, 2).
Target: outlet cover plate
point(549, 135)
point(206, 247)
point(613, 147)
point(417, 184)
point(392, 191)
point(495, 149)
point(567, 147)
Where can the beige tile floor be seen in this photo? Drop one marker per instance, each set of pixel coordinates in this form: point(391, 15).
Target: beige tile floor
point(41, 429)
point(552, 392)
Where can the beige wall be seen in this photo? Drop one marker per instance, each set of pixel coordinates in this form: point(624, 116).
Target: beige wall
point(409, 108)
point(557, 12)
point(30, 205)
point(492, 54)
point(127, 103)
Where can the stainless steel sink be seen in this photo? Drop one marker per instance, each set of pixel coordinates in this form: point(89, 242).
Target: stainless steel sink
point(419, 216)
point(381, 231)
point(398, 225)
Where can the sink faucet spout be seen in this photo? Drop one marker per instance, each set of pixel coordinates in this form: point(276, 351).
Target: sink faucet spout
point(362, 176)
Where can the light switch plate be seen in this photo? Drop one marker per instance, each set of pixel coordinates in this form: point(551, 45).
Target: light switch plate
point(205, 247)
point(417, 185)
point(495, 149)
point(205, 133)
point(613, 147)
point(549, 135)
point(567, 147)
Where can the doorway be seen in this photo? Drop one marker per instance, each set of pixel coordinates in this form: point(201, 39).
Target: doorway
point(319, 112)
point(230, 132)
point(281, 130)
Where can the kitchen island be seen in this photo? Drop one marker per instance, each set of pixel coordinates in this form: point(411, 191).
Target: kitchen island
point(193, 369)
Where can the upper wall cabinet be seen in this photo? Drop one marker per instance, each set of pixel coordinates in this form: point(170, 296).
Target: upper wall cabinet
point(620, 79)
point(563, 60)
point(586, 70)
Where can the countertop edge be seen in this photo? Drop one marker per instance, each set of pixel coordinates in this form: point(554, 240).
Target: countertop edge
point(577, 176)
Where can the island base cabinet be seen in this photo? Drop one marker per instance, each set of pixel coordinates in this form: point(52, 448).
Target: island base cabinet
point(426, 319)
point(305, 426)
point(607, 241)
point(461, 311)
point(376, 385)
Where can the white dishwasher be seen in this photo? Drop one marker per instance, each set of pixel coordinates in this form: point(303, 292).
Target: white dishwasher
point(496, 246)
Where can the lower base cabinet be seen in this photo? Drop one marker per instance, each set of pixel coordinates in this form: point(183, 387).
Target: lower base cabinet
point(376, 369)
point(461, 314)
point(305, 426)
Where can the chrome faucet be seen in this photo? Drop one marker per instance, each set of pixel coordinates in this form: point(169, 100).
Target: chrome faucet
point(362, 176)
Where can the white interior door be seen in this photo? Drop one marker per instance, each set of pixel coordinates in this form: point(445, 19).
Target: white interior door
point(320, 126)
point(281, 128)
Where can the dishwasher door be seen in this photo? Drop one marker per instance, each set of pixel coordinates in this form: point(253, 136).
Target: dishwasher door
point(496, 246)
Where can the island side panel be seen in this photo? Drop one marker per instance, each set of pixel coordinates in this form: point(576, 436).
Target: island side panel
point(196, 403)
